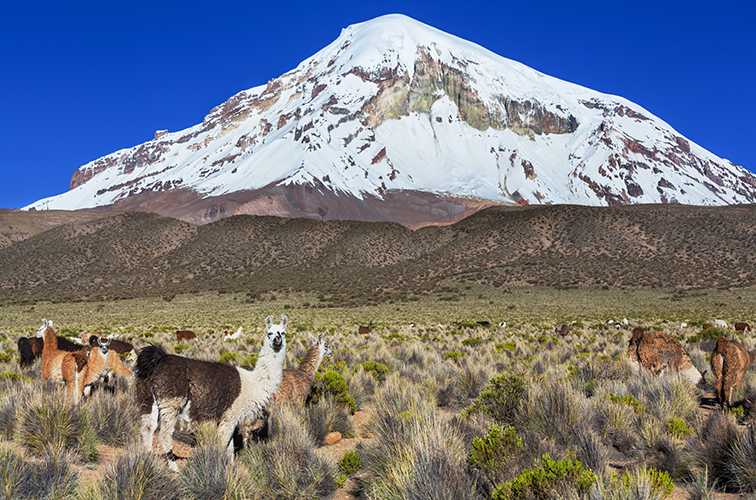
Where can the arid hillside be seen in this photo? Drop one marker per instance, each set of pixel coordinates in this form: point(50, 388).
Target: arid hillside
point(135, 254)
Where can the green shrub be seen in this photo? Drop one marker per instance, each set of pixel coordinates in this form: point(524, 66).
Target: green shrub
point(14, 376)
point(332, 382)
point(658, 482)
point(50, 422)
point(678, 428)
point(472, 342)
point(229, 357)
point(350, 463)
point(505, 346)
point(548, 479)
point(181, 347)
point(248, 361)
point(629, 400)
point(493, 450)
point(500, 398)
point(5, 356)
point(377, 369)
point(454, 355)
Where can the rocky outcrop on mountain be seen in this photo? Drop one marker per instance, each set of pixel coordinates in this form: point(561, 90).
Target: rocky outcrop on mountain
point(393, 105)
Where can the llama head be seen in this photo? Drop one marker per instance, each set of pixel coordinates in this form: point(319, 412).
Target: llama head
point(46, 324)
point(103, 344)
point(276, 333)
point(325, 349)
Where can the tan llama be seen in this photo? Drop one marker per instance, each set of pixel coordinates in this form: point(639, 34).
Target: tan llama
point(101, 364)
point(729, 364)
point(52, 357)
point(73, 368)
point(297, 382)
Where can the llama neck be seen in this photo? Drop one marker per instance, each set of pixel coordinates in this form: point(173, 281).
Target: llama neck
point(311, 362)
point(50, 340)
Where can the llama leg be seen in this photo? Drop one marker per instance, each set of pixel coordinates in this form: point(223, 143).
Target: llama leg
point(168, 414)
point(149, 423)
point(226, 437)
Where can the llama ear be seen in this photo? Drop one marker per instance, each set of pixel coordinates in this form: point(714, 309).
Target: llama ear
point(269, 321)
point(284, 320)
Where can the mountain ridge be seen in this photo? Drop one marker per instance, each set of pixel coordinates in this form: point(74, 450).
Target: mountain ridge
point(560, 246)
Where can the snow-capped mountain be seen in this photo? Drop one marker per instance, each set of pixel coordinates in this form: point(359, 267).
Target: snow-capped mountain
point(395, 111)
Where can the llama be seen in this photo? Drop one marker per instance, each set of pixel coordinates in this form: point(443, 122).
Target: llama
point(73, 368)
point(52, 357)
point(658, 352)
point(233, 336)
point(30, 348)
point(101, 364)
point(170, 387)
point(119, 346)
point(297, 382)
point(729, 364)
point(183, 335)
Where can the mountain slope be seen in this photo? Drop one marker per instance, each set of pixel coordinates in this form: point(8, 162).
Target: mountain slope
point(393, 105)
point(131, 255)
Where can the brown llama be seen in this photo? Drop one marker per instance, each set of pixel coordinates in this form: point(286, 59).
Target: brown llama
point(73, 368)
point(658, 352)
point(729, 364)
point(52, 357)
point(297, 382)
point(101, 364)
point(30, 349)
point(183, 335)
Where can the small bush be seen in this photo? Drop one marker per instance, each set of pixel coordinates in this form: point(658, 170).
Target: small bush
point(376, 369)
point(228, 357)
point(454, 355)
point(500, 398)
point(210, 474)
point(181, 347)
point(114, 418)
point(325, 416)
point(49, 423)
point(493, 450)
point(472, 342)
point(548, 479)
point(678, 428)
point(645, 482)
point(138, 474)
point(350, 463)
point(286, 465)
point(628, 400)
point(332, 382)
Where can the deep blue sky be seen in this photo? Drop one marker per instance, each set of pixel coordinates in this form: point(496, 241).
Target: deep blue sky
point(81, 80)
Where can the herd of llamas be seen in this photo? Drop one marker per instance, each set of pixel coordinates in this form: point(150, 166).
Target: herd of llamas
point(171, 389)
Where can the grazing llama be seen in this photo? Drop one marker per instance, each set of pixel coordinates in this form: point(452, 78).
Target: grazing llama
point(102, 364)
point(729, 364)
point(170, 387)
point(233, 336)
point(30, 348)
point(658, 352)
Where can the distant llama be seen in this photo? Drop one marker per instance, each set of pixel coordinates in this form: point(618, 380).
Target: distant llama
point(228, 337)
point(30, 348)
point(102, 364)
point(729, 364)
point(169, 387)
point(184, 335)
point(659, 353)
